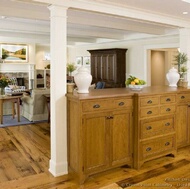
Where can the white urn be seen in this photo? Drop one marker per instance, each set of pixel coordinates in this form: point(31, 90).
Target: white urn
point(83, 80)
point(173, 77)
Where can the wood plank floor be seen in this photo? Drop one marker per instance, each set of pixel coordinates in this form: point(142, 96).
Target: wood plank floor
point(24, 163)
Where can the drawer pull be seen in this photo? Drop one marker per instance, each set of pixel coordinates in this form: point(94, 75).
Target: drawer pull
point(149, 102)
point(96, 106)
point(109, 117)
point(167, 124)
point(149, 112)
point(168, 100)
point(148, 128)
point(121, 103)
point(182, 97)
point(168, 110)
point(148, 149)
point(167, 143)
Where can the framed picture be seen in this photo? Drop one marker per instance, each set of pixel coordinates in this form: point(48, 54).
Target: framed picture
point(86, 60)
point(14, 53)
point(79, 60)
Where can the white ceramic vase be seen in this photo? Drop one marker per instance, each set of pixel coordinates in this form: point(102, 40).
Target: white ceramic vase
point(83, 80)
point(173, 77)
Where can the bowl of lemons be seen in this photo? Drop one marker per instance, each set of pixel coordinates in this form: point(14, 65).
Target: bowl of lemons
point(135, 83)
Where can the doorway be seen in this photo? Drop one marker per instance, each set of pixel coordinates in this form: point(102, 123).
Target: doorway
point(161, 60)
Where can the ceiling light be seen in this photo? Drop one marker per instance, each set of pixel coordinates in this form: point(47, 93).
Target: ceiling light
point(3, 17)
point(187, 1)
point(185, 12)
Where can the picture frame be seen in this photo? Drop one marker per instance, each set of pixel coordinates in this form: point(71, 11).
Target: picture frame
point(14, 53)
point(86, 60)
point(79, 60)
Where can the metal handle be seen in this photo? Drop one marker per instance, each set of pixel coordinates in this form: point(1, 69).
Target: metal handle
point(168, 110)
point(148, 149)
point(149, 102)
point(109, 117)
point(182, 97)
point(149, 112)
point(121, 103)
point(148, 128)
point(96, 106)
point(167, 124)
point(168, 100)
point(167, 143)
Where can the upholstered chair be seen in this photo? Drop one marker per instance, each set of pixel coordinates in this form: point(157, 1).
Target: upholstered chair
point(34, 106)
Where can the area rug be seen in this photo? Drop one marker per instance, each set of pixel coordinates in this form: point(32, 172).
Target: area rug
point(9, 121)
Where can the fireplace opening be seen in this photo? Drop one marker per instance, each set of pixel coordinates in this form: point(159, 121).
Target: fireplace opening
point(20, 81)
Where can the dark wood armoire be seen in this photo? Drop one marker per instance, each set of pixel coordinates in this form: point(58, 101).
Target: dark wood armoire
point(109, 66)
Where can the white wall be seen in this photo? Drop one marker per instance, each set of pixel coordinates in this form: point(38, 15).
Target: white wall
point(136, 63)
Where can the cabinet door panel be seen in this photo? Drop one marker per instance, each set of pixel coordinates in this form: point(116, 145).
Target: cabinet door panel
point(182, 123)
point(121, 138)
point(95, 142)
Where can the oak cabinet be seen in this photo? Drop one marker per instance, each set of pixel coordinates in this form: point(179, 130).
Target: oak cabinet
point(109, 65)
point(154, 130)
point(102, 135)
point(183, 119)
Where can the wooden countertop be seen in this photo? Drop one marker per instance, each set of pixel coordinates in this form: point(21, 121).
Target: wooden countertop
point(124, 92)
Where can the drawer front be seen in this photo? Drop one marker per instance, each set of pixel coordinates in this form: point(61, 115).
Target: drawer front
point(97, 105)
point(158, 146)
point(157, 127)
point(123, 103)
point(148, 112)
point(167, 99)
point(184, 97)
point(149, 101)
point(167, 109)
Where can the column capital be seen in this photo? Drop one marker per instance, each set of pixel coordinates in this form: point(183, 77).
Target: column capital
point(58, 10)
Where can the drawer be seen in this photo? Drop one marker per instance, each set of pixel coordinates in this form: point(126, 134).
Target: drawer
point(167, 109)
point(167, 99)
point(148, 112)
point(156, 127)
point(149, 101)
point(183, 97)
point(97, 105)
point(155, 147)
point(123, 103)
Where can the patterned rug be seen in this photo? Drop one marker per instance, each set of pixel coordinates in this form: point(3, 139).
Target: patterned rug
point(9, 121)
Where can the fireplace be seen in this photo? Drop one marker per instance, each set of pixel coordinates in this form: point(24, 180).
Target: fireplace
point(20, 81)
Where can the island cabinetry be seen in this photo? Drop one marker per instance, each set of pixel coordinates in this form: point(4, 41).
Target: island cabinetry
point(100, 136)
point(183, 119)
point(154, 127)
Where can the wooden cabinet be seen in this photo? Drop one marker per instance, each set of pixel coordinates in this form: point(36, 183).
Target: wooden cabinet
point(100, 135)
point(154, 133)
point(183, 119)
point(109, 65)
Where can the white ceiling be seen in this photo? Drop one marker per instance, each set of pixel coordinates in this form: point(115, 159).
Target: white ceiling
point(88, 23)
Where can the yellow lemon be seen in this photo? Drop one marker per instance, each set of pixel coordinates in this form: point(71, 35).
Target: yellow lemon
point(136, 80)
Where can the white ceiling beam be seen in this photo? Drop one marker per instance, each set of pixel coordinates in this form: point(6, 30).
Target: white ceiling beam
point(119, 11)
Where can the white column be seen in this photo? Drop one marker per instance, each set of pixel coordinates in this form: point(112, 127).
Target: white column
point(185, 47)
point(58, 49)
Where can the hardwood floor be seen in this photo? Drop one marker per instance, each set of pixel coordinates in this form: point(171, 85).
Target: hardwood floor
point(24, 163)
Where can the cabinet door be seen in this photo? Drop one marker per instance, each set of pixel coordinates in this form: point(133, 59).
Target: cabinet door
point(95, 130)
point(121, 140)
point(182, 124)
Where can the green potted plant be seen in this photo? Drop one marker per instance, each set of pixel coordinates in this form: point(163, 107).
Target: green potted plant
point(181, 60)
point(70, 68)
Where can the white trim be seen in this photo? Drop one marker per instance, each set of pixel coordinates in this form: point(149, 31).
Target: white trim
point(58, 169)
